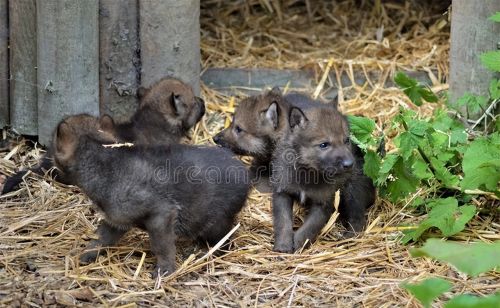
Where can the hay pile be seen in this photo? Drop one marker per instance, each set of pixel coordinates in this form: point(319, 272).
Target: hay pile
point(45, 225)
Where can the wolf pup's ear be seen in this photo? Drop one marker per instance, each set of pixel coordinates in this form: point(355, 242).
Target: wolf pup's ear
point(106, 123)
point(275, 90)
point(297, 118)
point(65, 141)
point(175, 101)
point(272, 114)
point(334, 103)
point(199, 99)
point(141, 92)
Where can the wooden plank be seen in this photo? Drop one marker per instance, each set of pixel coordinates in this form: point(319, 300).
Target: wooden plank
point(68, 61)
point(471, 34)
point(119, 57)
point(253, 80)
point(23, 83)
point(170, 40)
point(4, 64)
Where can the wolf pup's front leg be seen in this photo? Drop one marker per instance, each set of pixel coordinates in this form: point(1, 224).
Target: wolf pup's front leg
point(108, 236)
point(316, 219)
point(283, 222)
point(161, 230)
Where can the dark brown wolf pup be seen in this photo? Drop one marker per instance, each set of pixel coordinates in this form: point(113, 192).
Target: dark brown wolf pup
point(167, 110)
point(311, 162)
point(262, 120)
point(169, 191)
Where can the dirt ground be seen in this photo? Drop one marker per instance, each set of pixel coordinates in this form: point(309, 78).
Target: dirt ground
point(45, 225)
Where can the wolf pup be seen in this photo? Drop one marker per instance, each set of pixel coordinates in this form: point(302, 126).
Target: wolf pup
point(259, 123)
point(169, 191)
point(167, 110)
point(312, 161)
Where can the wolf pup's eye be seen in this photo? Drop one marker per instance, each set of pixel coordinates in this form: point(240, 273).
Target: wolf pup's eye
point(347, 140)
point(238, 129)
point(324, 145)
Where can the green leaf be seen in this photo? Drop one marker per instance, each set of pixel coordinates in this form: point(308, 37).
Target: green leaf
point(361, 128)
point(472, 259)
point(402, 182)
point(428, 290)
point(414, 95)
point(479, 172)
point(403, 81)
point(421, 170)
point(417, 127)
point(495, 89)
point(372, 164)
point(388, 163)
point(445, 215)
point(495, 17)
point(458, 136)
point(441, 171)
point(478, 104)
point(428, 95)
point(473, 103)
point(407, 143)
point(491, 60)
point(469, 301)
point(414, 90)
point(439, 140)
point(417, 202)
point(442, 122)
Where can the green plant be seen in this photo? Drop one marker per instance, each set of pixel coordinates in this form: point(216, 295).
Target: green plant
point(465, 258)
point(436, 154)
point(451, 162)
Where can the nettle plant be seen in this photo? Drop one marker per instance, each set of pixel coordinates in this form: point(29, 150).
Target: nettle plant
point(440, 155)
point(438, 166)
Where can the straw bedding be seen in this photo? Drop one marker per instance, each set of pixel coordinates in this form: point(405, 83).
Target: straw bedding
point(45, 225)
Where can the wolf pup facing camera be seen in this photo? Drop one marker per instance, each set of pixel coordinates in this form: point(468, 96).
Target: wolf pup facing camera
point(263, 120)
point(258, 124)
point(312, 161)
point(167, 110)
point(169, 191)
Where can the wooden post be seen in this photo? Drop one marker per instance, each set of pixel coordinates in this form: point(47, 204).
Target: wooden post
point(4, 64)
point(23, 83)
point(68, 61)
point(170, 40)
point(119, 58)
point(471, 34)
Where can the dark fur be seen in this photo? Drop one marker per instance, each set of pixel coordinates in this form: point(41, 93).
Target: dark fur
point(136, 187)
point(167, 110)
point(358, 192)
point(259, 130)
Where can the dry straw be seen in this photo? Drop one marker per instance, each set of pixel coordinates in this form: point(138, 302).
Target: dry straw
point(45, 225)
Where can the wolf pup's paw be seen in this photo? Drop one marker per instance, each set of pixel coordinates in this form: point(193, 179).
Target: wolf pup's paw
point(349, 234)
point(89, 257)
point(164, 270)
point(283, 247)
point(300, 242)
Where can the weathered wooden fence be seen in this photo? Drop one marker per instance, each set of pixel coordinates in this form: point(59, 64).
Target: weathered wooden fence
point(61, 57)
point(471, 35)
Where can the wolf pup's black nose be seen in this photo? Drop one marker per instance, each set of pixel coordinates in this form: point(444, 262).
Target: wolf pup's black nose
point(203, 109)
point(216, 139)
point(347, 163)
